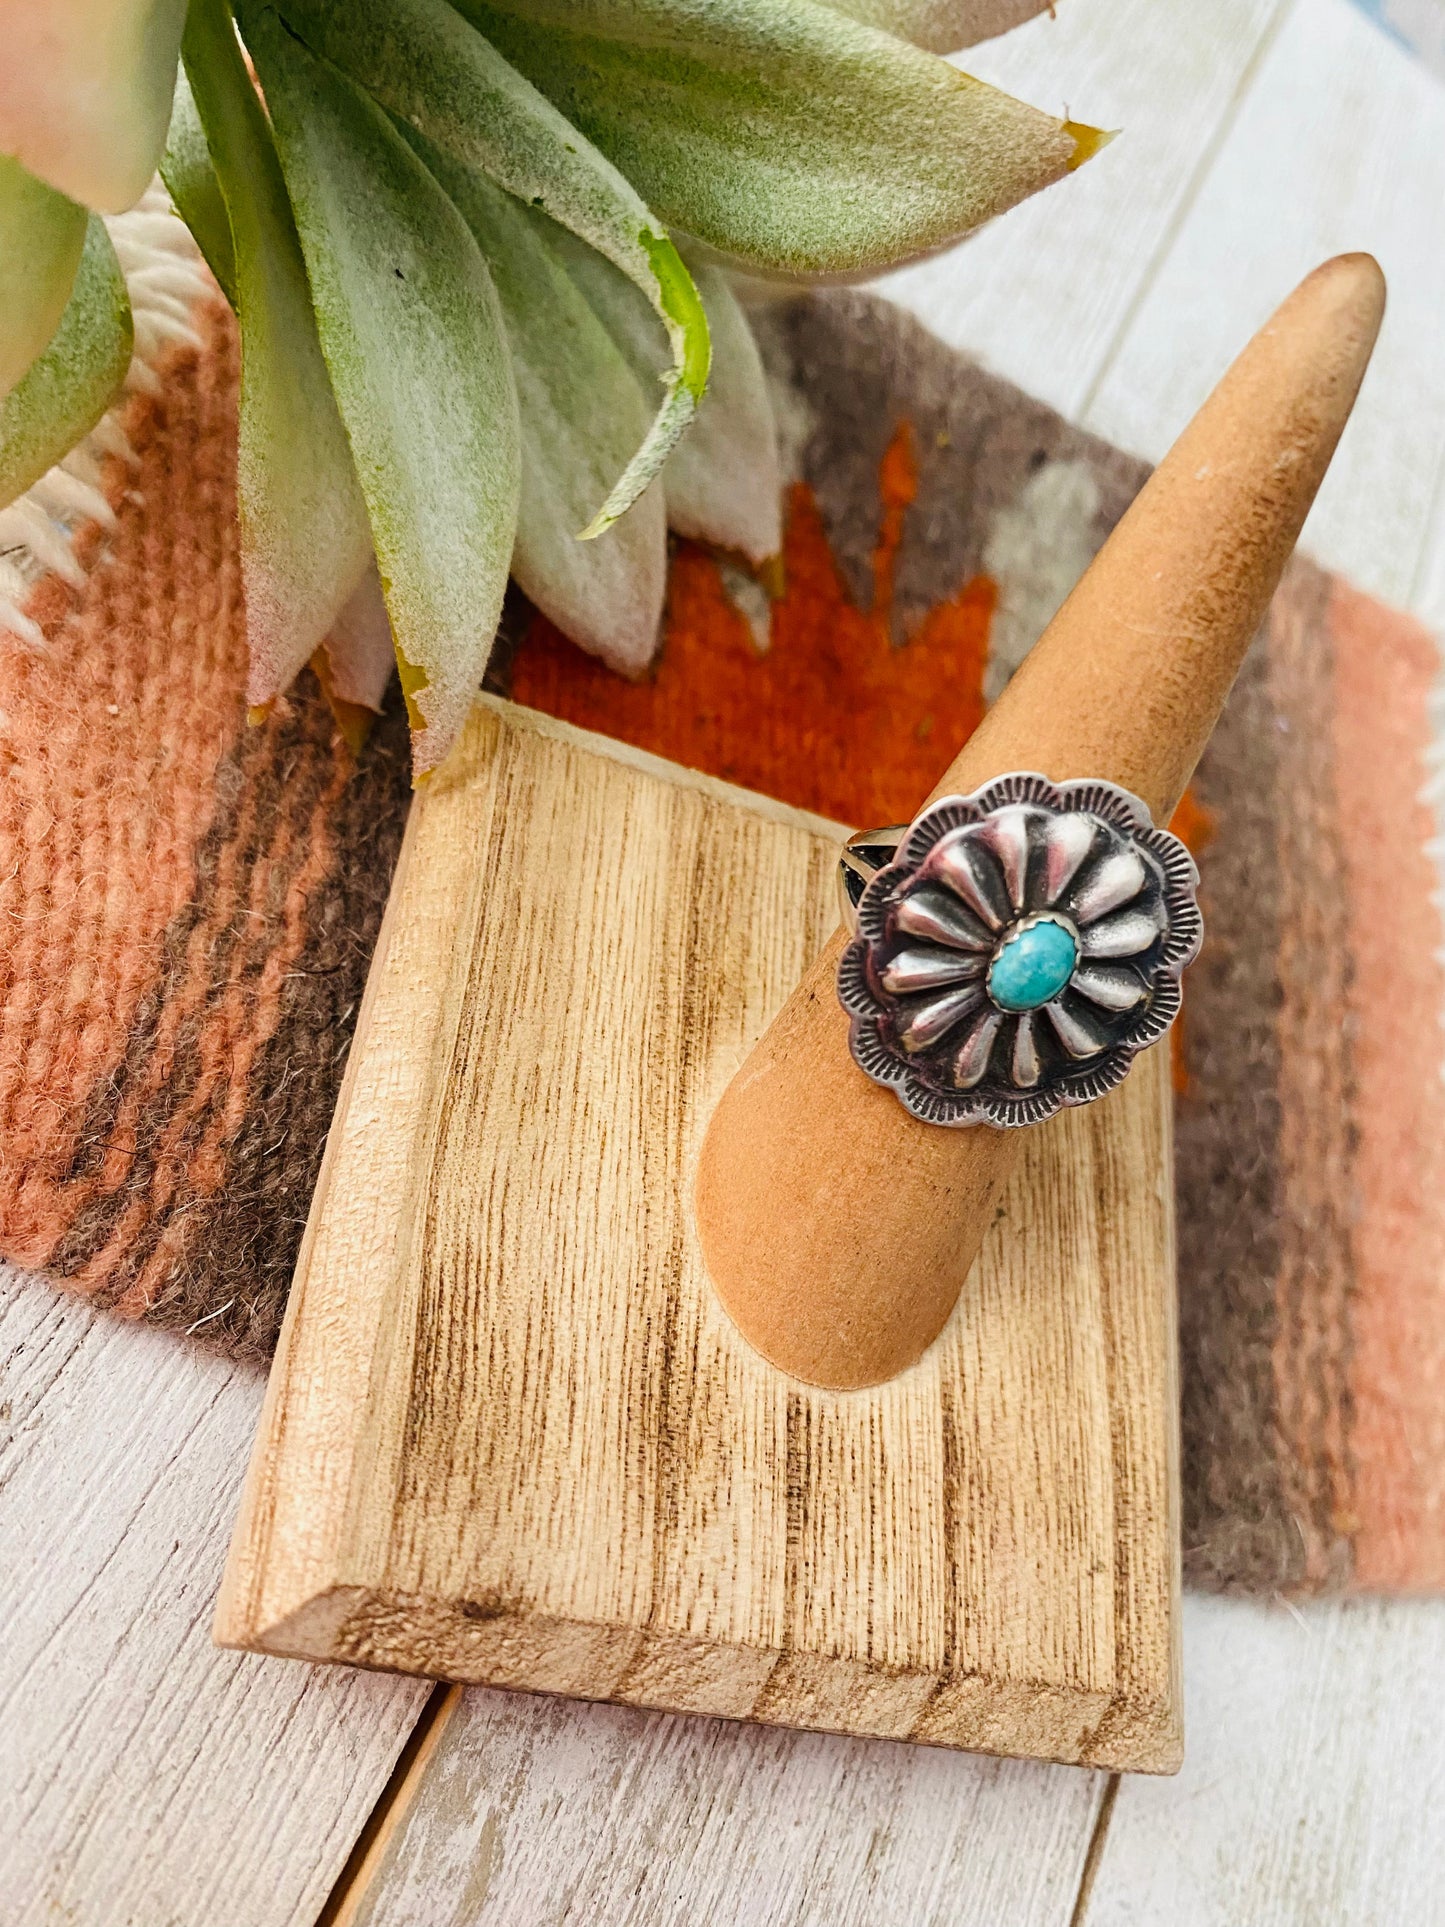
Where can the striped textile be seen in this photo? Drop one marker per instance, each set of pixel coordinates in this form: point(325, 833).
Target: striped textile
point(191, 903)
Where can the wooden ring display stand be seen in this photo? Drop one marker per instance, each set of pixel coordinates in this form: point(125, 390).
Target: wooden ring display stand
point(511, 1434)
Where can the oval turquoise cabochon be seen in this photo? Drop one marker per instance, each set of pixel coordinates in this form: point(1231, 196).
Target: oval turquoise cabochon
point(1033, 965)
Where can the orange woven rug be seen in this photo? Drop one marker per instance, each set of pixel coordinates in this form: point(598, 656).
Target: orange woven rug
point(190, 904)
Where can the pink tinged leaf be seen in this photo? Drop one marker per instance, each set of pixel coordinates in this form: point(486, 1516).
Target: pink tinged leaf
point(442, 78)
point(85, 92)
point(942, 26)
point(581, 414)
point(724, 481)
point(414, 339)
point(305, 541)
point(359, 650)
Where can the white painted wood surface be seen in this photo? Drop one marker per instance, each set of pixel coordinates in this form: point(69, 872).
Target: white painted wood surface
point(1043, 295)
point(144, 1776)
point(1314, 1782)
point(149, 1779)
point(1339, 143)
point(546, 1811)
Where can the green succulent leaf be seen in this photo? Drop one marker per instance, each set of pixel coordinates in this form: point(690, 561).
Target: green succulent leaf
point(193, 185)
point(582, 412)
point(67, 389)
point(305, 542)
point(722, 482)
point(942, 25)
point(41, 237)
point(783, 133)
point(414, 338)
point(437, 74)
point(85, 92)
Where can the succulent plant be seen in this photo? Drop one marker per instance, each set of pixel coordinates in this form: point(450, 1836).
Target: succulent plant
point(479, 255)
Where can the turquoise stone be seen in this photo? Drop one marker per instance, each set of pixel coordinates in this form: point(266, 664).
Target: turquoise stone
point(1032, 966)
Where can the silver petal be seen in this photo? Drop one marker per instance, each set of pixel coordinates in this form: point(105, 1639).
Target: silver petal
point(961, 861)
point(1068, 840)
point(974, 1052)
point(936, 915)
point(1080, 1035)
point(1117, 880)
point(1027, 1064)
point(937, 1017)
point(1124, 935)
point(926, 969)
point(1109, 986)
point(1006, 832)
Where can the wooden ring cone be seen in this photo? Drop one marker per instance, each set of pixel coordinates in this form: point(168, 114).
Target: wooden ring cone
point(836, 1228)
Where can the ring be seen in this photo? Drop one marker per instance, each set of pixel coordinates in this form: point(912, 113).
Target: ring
point(1014, 950)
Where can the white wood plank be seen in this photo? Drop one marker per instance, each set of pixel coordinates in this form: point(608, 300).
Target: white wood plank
point(144, 1776)
point(545, 1810)
point(1315, 1777)
point(1339, 144)
point(1041, 295)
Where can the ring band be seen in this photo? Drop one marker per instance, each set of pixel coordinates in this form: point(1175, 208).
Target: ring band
point(1014, 950)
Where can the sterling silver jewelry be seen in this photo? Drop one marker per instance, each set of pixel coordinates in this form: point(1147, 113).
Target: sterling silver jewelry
point(1014, 950)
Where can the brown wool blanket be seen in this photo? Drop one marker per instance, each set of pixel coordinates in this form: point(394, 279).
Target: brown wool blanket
point(191, 903)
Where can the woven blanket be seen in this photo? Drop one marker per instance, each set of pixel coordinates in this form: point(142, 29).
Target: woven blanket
point(190, 903)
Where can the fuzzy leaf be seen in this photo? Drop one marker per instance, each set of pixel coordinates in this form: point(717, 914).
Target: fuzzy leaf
point(414, 339)
point(41, 237)
point(360, 650)
point(723, 482)
point(441, 77)
point(191, 181)
point(582, 411)
point(785, 135)
point(304, 537)
point(64, 393)
point(85, 92)
point(941, 25)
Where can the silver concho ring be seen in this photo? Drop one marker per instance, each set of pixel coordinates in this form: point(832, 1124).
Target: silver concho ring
point(1015, 949)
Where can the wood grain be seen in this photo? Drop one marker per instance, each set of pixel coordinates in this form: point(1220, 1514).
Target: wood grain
point(510, 1436)
point(145, 1777)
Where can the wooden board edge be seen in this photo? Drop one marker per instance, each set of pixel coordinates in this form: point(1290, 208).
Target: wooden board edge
point(678, 775)
point(469, 1643)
